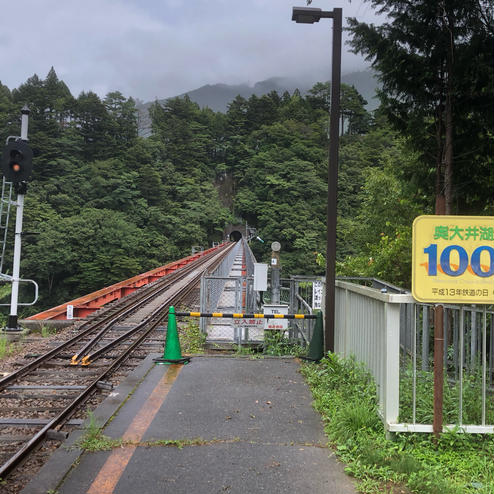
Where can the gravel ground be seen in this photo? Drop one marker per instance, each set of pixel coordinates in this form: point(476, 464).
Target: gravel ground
point(34, 344)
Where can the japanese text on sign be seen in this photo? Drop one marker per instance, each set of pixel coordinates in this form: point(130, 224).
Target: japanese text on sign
point(250, 323)
point(453, 259)
point(470, 232)
point(272, 324)
point(317, 295)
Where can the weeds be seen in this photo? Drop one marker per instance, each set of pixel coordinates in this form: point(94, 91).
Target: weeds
point(8, 348)
point(345, 394)
point(94, 439)
point(192, 339)
point(276, 343)
point(472, 390)
point(243, 350)
point(176, 443)
point(47, 331)
point(182, 443)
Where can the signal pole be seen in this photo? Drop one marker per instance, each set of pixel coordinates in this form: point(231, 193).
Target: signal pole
point(12, 325)
point(275, 273)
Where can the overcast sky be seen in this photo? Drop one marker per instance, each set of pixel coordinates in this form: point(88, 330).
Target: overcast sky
point(160, 48)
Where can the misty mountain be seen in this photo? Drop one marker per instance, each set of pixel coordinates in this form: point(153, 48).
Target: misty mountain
point(218, 96)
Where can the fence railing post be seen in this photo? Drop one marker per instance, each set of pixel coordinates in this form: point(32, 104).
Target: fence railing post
point(391, 395)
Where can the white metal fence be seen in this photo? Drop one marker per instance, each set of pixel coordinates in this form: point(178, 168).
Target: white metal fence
point(392, 335)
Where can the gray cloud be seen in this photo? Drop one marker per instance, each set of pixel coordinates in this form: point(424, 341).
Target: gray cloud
point(150, 48)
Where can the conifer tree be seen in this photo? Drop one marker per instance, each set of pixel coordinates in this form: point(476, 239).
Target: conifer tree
point(433, 83)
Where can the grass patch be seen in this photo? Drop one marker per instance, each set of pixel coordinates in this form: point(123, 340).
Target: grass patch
point(46, 331)
point(472, 391)
point(8, 348)
point(175, 443)
point(181, 443)
point(192, 339)
point(94, 440)
point(276, 343)
point(244, 350)
point(344, 393)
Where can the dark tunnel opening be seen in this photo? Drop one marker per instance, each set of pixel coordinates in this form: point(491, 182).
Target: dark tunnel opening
point(235, 236)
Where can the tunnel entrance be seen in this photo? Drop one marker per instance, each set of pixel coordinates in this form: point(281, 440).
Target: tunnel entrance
point(235, 236)
point(235, 233)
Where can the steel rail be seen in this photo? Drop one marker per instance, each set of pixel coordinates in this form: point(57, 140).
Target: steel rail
point(93, 326)
point(158, 315)
point(101, 351)
point(5, 381)
point(158, 289)
point(39, 437)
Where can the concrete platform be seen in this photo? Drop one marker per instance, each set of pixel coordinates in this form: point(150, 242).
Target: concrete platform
point(237, 425)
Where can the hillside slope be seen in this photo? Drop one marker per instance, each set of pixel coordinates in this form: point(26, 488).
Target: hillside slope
point(218, 96)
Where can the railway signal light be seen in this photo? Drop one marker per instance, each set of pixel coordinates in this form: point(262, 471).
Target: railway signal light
point(17, 162)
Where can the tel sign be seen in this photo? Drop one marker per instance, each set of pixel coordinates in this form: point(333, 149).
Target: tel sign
point(453, 259)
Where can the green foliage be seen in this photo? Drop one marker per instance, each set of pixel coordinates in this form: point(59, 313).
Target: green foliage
point(192, 339)
point(342, 379)
point(276, 343)
point(241, 350)
point(381, 224)
point(280, 192)
point(5, 292)
point(109, 204)
point(389, 259)
point(94, 439)
point(106, 249)
point(345, 395)
point(435, 63)
point(7, 348)
point(472, 389)
point(47, 331)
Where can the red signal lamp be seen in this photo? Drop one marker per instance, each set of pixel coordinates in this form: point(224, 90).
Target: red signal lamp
point(17, 162)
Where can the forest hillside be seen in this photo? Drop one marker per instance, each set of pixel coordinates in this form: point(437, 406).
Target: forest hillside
point(107, 204)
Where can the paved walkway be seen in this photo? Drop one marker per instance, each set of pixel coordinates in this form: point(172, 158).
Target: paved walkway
point(244, 426)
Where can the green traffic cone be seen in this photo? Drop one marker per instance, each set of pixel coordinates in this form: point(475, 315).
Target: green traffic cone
point(316, 345)
point(172, 353)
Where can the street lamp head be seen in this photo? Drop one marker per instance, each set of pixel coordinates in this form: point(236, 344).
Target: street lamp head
point(306, 15)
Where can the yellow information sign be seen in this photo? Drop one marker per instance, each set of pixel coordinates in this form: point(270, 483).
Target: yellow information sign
point(453, 259)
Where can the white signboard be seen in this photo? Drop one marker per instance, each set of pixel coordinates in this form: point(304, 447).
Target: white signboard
point(70, 312)
point(272, 324)
point(260, 277)
point(317, 294)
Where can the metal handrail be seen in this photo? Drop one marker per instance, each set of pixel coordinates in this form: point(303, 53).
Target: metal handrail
point(36, 289)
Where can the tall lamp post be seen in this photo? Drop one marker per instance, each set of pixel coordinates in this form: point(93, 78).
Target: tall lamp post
point(308, 15)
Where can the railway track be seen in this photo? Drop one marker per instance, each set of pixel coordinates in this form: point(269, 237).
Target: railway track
point(45, 398)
